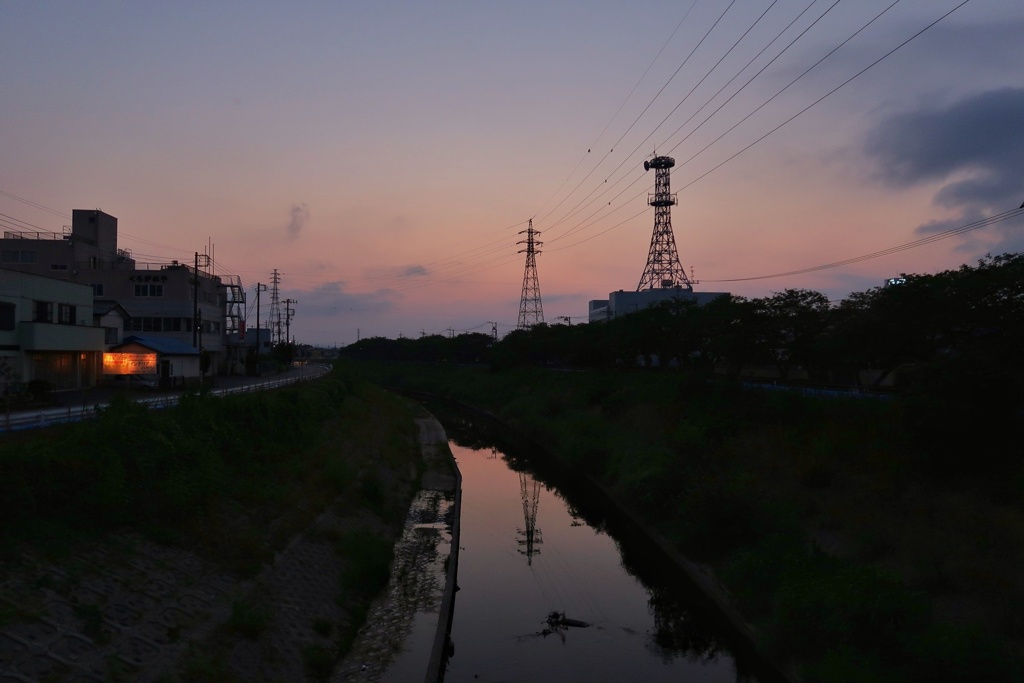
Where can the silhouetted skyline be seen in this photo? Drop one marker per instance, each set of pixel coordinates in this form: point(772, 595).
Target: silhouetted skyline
point(384, 157)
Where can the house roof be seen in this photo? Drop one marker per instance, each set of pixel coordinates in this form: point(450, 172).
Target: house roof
point(165, 345)
point(101, 307)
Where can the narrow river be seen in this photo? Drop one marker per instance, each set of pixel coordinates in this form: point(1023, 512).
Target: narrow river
point(528, 551)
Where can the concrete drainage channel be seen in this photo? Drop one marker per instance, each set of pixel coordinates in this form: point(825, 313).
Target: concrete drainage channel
point(406, 633)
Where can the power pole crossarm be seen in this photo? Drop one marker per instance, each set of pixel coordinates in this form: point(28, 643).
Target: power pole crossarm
point(289, 312)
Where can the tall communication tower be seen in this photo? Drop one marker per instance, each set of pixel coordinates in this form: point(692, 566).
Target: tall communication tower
point(663, 269)
point(275, 308)
point(531, 312)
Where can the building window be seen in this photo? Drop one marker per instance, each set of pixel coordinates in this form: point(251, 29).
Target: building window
point(42, 312)
point(58, 266)
point(18, 256)
point(97, 289)
point(66, 314)
point(6, 315)
point(149, 290)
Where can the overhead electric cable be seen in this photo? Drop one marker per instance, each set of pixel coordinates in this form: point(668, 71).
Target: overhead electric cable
point(769, 44)
point(640, 115)
point(752, 78)
point(815, 102)
point(788, 85)
point(608, 125)
point(834, 90)
point(695, 86)
point(975, 225)
point(34, 204)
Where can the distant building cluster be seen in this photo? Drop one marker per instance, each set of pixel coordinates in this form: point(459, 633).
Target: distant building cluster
point(76, 311)
point(664, 278)
point(622, 302)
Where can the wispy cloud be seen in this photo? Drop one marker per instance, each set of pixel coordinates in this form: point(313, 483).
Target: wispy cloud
point(973, 146)
point(298, 216)
point(332, 299)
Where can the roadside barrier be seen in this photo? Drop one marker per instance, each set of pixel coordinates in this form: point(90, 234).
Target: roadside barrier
point(37, 419)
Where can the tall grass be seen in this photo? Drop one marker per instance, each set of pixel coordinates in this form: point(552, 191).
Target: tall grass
point(164, 469)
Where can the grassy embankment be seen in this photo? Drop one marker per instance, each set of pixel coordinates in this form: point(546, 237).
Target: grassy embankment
point(852, 556)
point(233, 478)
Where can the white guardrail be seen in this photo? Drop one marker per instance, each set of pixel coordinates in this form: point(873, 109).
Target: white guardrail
point(35, 419)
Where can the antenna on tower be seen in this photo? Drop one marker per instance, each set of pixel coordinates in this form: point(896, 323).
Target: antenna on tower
point(531, 312)
point(663, 269)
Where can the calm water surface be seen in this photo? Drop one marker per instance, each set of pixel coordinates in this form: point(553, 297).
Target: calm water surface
point(640, 629)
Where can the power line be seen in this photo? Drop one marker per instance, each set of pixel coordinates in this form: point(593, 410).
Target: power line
point(579, 226)
point(788, 85)
point(805, 109)
point(820, 99)
point(34, 204)
point(593, 145)
point(968, 227)
point(644, 111)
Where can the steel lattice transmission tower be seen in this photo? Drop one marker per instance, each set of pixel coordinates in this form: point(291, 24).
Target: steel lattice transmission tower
point(663, 268)
point(531, 312)
point(531, 536)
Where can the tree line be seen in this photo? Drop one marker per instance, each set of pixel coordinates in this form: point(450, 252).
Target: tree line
point(971, 316)
point(949, 344)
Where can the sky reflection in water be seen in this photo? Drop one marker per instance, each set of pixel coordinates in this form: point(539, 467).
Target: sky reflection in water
point(636, 632)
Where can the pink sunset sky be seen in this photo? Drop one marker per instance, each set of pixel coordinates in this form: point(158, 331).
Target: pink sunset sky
point(383, 156)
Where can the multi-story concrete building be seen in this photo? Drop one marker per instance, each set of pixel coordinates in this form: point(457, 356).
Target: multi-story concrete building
point(47, 332)
point(178, 301)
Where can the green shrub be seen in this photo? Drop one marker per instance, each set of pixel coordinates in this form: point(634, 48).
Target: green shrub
point(368, 561)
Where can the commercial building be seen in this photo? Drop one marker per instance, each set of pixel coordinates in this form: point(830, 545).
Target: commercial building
point(175, 301)
point(622, 302)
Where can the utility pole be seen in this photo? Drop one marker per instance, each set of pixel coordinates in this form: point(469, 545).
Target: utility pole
point(494, 330)
point(196, 320)
point(288, 313)
point(275, 307)
point(260, 287)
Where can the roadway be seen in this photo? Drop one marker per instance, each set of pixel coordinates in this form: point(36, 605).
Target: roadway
point(82, 404)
